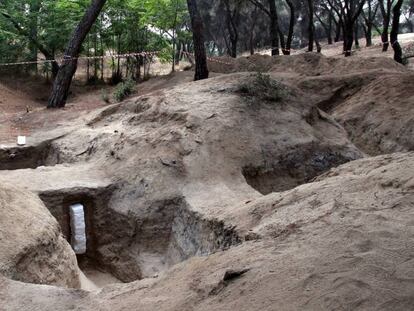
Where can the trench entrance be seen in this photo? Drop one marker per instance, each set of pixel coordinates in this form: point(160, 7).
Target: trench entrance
point(94, 275)
point(124, 247)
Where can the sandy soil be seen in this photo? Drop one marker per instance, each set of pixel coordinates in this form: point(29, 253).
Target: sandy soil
point(33, 249)
point(95, 279)
point(341, 242)
point(202, 196)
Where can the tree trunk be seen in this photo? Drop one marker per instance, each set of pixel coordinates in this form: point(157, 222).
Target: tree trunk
point(63, 79)
point(118, 63)
point(201, 70)
point(369, 20)
point(95, 53)
point(386, 14)
point(368, 34)
point(282, 40)
point(232, 21)
point(252, 30)
point(409, 24)
point(173, 52)
point(274, 27)
point(310, 26)
point(330, 28)
point(178, 53)
point(137, 67)
point(87, 61)
point(251, 44)
point(338, 29)
point(102, 59)
point(34, 18)
point(349, 38)
point(233, 49)
point(396, 12)
point(291, 26)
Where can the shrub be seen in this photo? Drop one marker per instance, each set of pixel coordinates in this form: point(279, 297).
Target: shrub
point(123, 90)
point(105, 96)
point(263, 87)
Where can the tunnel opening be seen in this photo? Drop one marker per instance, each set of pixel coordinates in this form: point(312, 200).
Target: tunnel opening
point(59, 203)
point(125, 247)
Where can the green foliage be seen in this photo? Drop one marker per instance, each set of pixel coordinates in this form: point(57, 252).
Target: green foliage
point(165, 15)
point(123, 90)
point(124, 26)
point(262, 86)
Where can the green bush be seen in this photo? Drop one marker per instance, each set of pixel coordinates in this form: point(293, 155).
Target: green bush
point(123, 90)
point(263, 87)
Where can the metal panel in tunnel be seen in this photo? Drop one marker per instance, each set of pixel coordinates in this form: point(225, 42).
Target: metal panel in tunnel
point(77, 224)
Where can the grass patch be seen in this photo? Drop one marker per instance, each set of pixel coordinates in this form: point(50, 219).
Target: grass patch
point(263, 87)
point(123, 90)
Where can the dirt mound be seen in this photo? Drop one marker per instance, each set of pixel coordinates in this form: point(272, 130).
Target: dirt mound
point(341, 242)
point(380, 118)
point(173, 168)
point(308, 64)
point(32, 248)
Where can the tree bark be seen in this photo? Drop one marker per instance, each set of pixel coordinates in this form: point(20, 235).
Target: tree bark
point(349, 38)
point(274, 27)
point(201, 70)
point(310, 26)
point(64, 77)
point(338, 29)
point(386, 14)
point(369, 22)
point(291, 27)
point(330, 28)
point(252, 29)
point(368, 34)
point(232, 21)
point(396, 12)
point(34, 18)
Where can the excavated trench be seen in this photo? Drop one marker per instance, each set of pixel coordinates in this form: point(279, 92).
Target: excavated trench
point(297, 167)
point(21, 157)
point(142, 244)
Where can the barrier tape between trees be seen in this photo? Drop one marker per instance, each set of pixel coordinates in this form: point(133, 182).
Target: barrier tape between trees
point(68, 58)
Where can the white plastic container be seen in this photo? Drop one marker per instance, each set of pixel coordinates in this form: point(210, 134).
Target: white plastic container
point(21, 140)
point(78, 228)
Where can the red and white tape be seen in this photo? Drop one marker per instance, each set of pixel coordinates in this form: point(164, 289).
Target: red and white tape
point(210, 59)
point(68, 58)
